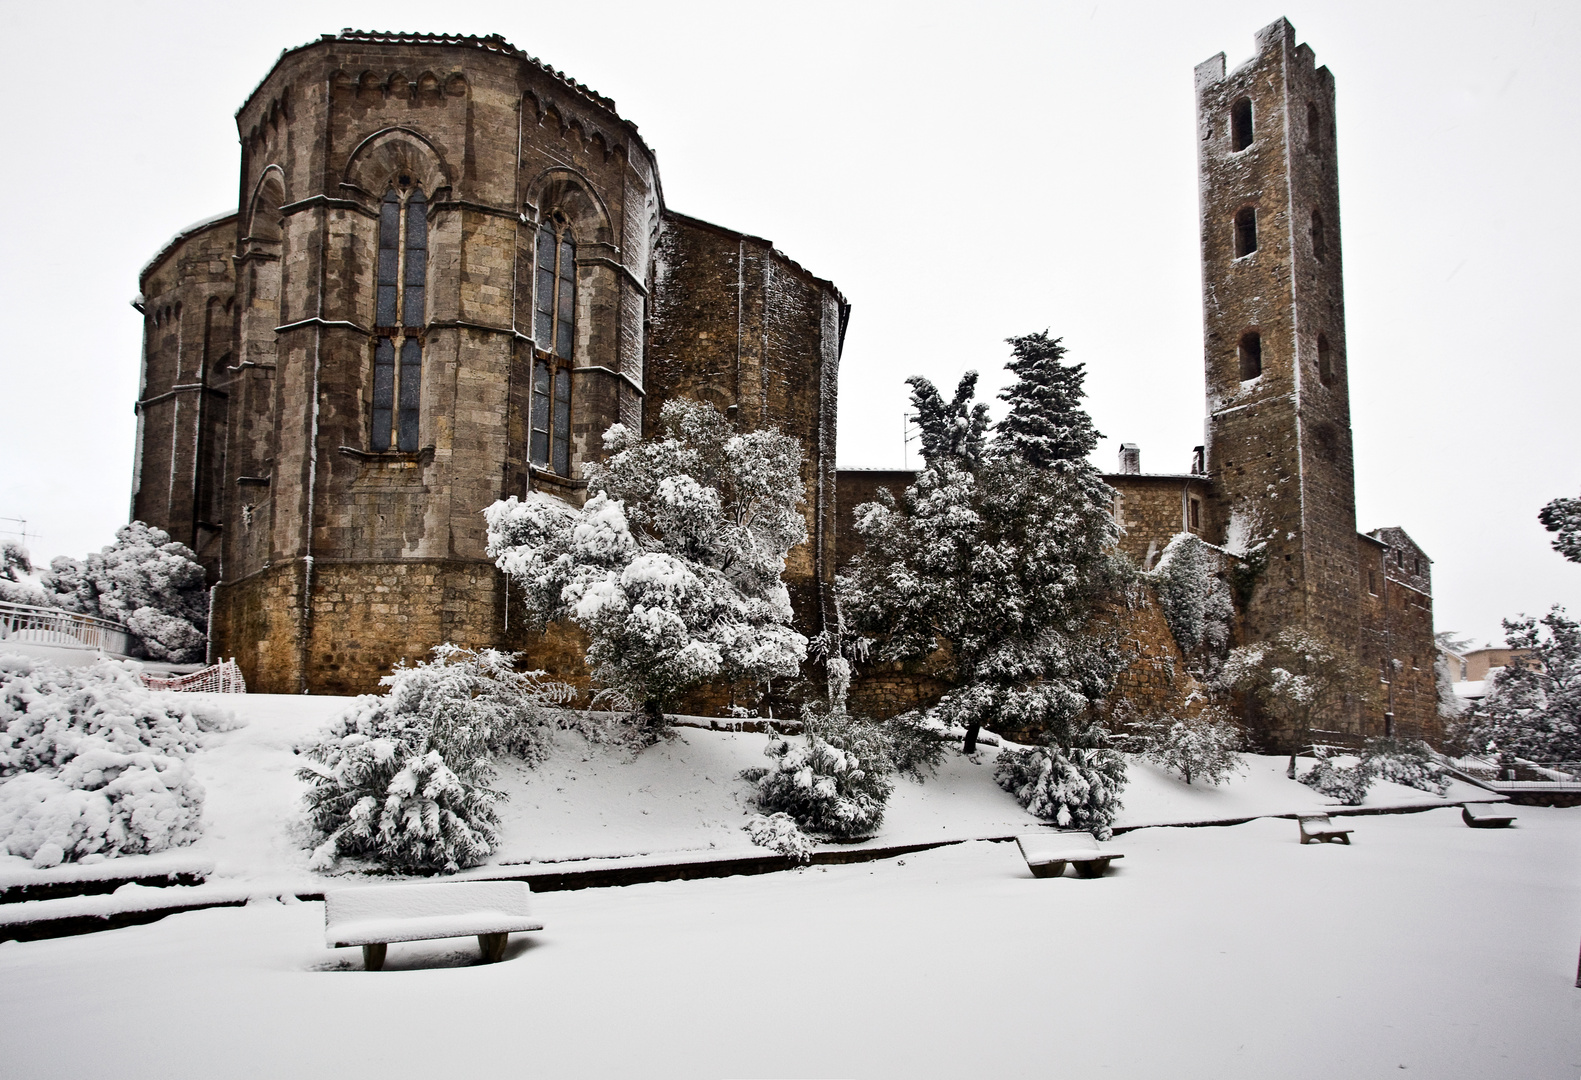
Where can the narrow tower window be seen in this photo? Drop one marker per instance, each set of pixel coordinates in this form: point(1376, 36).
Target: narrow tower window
point(400, 301)
point(1251, 354)
point(1325, 361)
point(1245, 231)
point(554, 320)
point(1314, 129)
point(1319, 245)
point(1241, 124)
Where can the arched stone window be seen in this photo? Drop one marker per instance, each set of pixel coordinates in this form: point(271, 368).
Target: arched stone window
point(400, 304)
point(1251, 355)
point(1241, 124)
point(1245, 231)
point(1319, 244)
point(554, 323)
point(1325, 362)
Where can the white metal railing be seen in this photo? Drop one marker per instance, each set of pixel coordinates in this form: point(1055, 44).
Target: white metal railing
point(221, 678)
point(52, 626)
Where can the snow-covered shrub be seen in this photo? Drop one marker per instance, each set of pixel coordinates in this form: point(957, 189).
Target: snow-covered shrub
point(16, 587)
point(1347, 783)
point(1409, 762)
point(673, 564)
point(779, 832)
point(835, 782)
point(918, 743)
point(1298, 678)
point(1075, 787)
point(402, 779)
point(1203, 747)
point(1195, 600)
point(93, 763)
point(1533, 707)
point(145, 580)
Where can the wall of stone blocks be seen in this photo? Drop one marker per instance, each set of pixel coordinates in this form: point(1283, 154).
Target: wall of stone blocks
point(1154, 509)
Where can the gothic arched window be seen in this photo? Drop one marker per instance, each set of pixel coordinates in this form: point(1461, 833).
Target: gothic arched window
point(554, 319)
point(399, 306)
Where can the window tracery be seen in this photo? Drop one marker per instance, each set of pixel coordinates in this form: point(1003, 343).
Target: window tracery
point(400, 303)
point(554, 323)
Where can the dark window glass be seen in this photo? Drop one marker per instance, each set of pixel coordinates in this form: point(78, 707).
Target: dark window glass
point(565, 315)
point(1245, 231)
point(1241, 124)
point(383, 392)
point(1251, 355)
point(1325, 362)
point(539, 449)
point(562, 422)
point(543, 321)
point(389, 256)
point(416, 276)
point(411, 391)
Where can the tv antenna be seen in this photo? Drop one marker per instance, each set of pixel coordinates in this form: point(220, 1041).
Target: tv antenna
point(907, 437)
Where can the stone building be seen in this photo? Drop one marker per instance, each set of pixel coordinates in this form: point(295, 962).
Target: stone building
point(452, 267)
point(450, 270)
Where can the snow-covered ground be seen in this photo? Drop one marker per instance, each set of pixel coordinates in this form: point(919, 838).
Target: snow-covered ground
point(1424, 949)
point(676, 801)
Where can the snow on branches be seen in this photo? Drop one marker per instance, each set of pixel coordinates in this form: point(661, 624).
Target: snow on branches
point(1563, 516)
point(993, 562)
point(1205, 746)
point(402, 779)
point(673, 565)
point(1075, 787)
point(1297, 677)
point(145, 580)
point(1533, 708)
point(835, 782)
point(93, 764)
point(1195, 601)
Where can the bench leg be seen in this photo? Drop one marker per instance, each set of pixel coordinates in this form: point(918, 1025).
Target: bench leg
point(1091, 868)
point(492, 946)
point(373, 956)
point(1049, 869)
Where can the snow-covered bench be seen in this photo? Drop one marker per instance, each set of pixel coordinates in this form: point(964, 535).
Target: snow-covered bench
point(1483, 816)
point(375, 915)
point(1320, 827)
point(1047, 853)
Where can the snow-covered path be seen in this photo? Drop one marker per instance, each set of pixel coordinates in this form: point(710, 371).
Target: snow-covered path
point(1424, 949)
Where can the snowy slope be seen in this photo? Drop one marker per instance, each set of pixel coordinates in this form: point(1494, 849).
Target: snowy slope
point(678, 800)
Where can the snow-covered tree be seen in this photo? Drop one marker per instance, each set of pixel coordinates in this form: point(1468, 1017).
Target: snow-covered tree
point(1205, 746)
point(1195, 600)
point(994, 561)
point(1563, 516)
point(1297, 678)
point(402, 779)
point(145, 580)
point(673, 566)
point(1533, 708)
point(92, 763)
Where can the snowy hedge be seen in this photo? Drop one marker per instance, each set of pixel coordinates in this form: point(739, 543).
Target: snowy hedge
point(1195, 600)
point(1073, 786)
point(1408, 762)
point(92, 763)
point(402, 779)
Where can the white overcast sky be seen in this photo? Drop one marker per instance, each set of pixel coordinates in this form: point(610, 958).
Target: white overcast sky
point(961, 172)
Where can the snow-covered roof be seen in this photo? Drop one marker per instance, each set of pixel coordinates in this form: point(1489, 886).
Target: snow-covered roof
point(190, 230)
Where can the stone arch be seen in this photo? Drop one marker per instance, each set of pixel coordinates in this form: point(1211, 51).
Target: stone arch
point(263, 210)
point(572, 194)
point(397, 86)
point(428, 85)
point(390, 153)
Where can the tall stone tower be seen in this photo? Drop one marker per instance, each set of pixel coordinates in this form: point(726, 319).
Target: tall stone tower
point(1278, 430)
